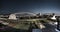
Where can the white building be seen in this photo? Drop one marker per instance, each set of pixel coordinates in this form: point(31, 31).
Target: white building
point(12, 16)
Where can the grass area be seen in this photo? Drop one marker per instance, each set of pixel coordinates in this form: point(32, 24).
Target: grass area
point(22, 26)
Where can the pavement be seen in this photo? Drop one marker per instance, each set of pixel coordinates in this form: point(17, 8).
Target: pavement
point(49, 28)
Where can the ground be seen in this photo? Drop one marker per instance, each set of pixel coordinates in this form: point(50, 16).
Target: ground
point(28, 27)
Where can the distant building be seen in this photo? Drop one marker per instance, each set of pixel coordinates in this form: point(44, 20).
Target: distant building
point(38, 14)
point(12, 16)
point(55, 16)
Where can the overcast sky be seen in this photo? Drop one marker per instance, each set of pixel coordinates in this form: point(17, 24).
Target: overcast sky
point(35, 6)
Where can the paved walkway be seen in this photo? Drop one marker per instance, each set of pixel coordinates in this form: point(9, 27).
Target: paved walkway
point(49, 28)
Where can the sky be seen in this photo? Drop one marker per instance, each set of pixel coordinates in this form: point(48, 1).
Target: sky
point(35, 6)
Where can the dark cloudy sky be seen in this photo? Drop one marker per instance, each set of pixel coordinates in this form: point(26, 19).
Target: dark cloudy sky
point(36, 6)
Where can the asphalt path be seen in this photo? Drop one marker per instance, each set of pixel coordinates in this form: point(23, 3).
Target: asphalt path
point(49, 28)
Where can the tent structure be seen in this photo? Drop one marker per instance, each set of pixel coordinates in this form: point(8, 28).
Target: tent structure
point(53, 18)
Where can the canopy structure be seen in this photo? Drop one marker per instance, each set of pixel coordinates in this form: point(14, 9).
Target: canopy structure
point(53, 18)
point(24, 14)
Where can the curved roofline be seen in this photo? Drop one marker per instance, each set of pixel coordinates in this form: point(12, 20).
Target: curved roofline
point(24, 12)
